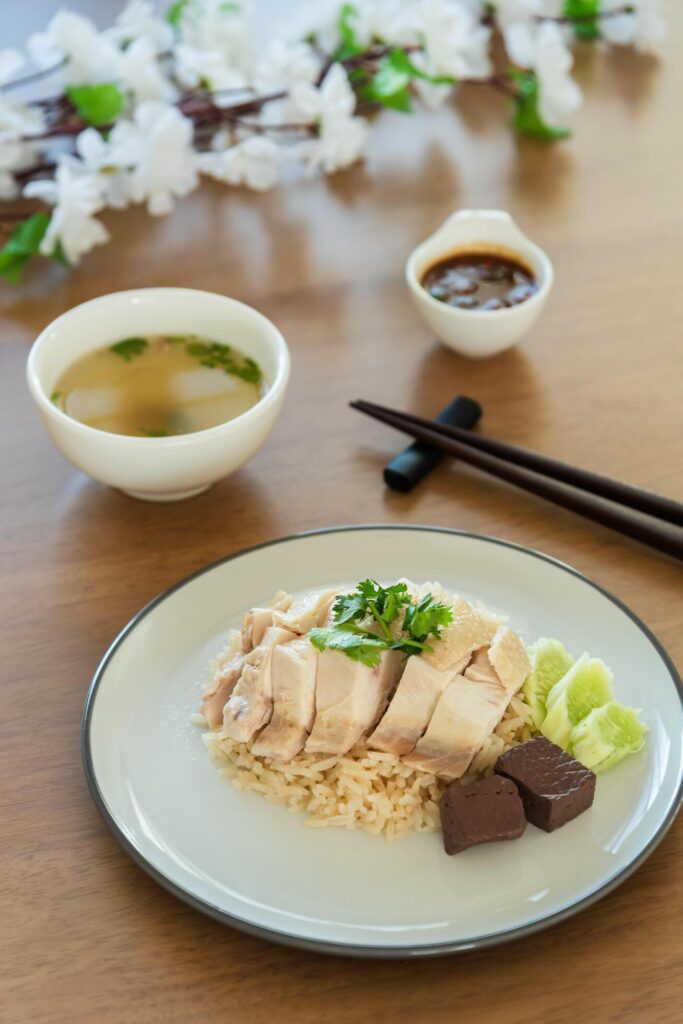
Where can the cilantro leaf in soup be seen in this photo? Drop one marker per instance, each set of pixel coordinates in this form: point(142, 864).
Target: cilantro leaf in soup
point(129, 348)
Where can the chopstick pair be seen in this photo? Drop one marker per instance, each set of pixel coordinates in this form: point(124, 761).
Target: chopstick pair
point(545, 477)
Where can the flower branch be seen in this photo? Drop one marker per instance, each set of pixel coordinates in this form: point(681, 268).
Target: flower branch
point(164, 97)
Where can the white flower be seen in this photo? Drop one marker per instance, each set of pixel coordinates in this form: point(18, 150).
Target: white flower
point(70, 37)
point(559, 95)
point(158, 144)
point(10, 161)
point(252, 162)
point(111, 161)
point(284, 63)
point(16, 121)
point(11, 61)
point(313, 17)
point(141, 73)
point(643, 29)
point(218, 28)
point(76, 195)
point(137, 21)
point(341, 135)
point(392, 21)
point(209, 68)
point(455, 44)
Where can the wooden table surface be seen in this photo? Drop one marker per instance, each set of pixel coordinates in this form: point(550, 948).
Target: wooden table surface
point(85, 935)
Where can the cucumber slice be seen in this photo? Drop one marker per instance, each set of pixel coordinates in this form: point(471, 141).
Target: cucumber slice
point(607, 735)
point(550, 660)
point(587, 685)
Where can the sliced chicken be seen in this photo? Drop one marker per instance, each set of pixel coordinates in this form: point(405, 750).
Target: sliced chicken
point(251, 703)
point(228, 670)
point(349, 698)
point(427, 675)
point(492, 621)
point(471, 706)
point(304, 613)
point(231, 661)
point(464, 634)
point(293, 672)
point(257, 621)
point(412, 706)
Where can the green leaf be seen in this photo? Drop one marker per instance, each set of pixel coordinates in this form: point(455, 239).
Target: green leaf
point(97, 104)
point(528, 120)
point(156, 433)
point(175, 12)
point(426, 619)
point(359, 646)
point(584, 14)
point(198, 348)
point(349, 45)
point(23, 243)
point(58, 254)
point(129, 348)
point(400, 60)
point(389, 87)
point(55, 396)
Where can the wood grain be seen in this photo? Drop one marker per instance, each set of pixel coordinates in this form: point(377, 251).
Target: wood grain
point(85, 935)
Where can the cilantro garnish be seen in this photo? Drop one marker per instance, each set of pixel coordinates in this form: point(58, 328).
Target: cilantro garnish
point(129, 348)
point(216, 356)
point(363, 619)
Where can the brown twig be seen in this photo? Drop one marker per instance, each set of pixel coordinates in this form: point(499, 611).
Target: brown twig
point(35, 76)
point(578, 19)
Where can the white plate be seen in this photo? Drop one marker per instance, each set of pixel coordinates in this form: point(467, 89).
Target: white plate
point(251, 864)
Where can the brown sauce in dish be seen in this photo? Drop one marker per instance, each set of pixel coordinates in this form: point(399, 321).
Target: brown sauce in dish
point(480, 280)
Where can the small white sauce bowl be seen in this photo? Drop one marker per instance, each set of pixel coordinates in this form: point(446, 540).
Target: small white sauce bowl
point(159, 468)
point(471, 332)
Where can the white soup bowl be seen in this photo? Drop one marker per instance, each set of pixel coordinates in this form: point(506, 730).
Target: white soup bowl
point(159, 468)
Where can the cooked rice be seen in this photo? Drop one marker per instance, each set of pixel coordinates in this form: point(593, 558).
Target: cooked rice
point(364, 788)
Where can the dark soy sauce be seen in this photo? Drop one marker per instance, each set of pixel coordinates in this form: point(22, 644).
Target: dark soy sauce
point(480, 281)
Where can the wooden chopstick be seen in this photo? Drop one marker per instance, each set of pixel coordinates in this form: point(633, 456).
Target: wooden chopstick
point(602, 486)
point(585, 502)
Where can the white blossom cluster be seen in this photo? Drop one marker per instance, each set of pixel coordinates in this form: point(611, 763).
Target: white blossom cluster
point(188, 76)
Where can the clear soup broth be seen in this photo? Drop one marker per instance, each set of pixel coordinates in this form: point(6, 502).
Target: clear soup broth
point(159, 386)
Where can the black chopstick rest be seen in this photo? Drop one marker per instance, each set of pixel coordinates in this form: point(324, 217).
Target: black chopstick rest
point(412, 465)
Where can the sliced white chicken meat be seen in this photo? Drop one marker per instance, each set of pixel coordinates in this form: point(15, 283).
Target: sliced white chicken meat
point(426, 677)
point(257, 620)
point(228, 669)
point(412, 706)
point(463, 635)
point(305, 613)
point(471, 706)
point(349, 697)
point(229, 665)
point(293, 672)
point(251, 703)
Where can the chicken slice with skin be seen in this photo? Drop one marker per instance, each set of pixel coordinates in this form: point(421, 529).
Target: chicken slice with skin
point(251, 702)
point(293, 674)
point(349, 697)
point(412, 706)
point(304, 613)
point(427, 675)
point(231, 660)
point(471, 707)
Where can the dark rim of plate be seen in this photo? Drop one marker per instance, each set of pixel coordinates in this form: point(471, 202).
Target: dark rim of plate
point(343, 948)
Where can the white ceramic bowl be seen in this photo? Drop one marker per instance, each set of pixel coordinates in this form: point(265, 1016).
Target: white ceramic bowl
point(159, 468)
point(471, 332)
